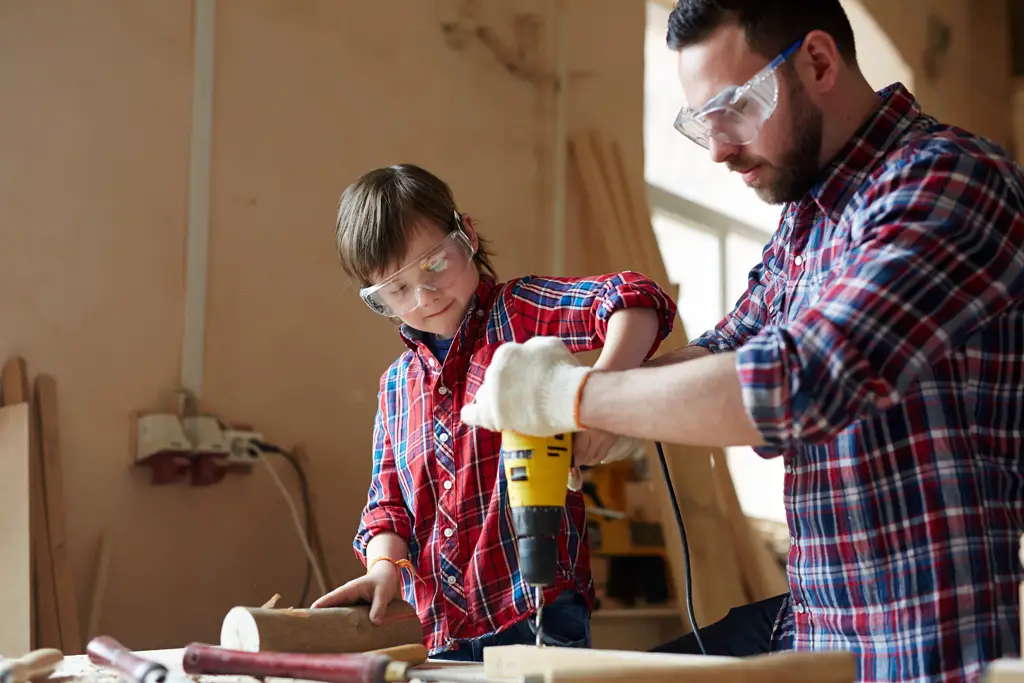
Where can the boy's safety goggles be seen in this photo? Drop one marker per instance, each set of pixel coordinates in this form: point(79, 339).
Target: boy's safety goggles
point(434, 271)
point(735, 115)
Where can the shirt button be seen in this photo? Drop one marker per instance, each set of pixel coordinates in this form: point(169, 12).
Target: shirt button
point(798, 261)
point(792, 540)
point(451, 580)
point(443, 438)
point(789, 469)
point(799, 607)
point(443, 390)
point(480, 313)
point(448, 533)
point(448, 485)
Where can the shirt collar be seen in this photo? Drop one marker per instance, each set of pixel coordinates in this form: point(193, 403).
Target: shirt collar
point(848, 170)
point(412, 337)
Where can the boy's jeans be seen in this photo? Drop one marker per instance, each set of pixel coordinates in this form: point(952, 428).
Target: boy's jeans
point(566, 623)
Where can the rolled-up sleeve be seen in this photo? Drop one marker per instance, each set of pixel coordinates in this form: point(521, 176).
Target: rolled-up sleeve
point(936, 254)
point(385, 509)
point(578, 309)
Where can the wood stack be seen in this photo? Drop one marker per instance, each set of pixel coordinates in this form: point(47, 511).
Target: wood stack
point(729, 565)
point(42, 543)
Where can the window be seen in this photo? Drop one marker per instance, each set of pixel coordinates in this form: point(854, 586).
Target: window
point(710, 227)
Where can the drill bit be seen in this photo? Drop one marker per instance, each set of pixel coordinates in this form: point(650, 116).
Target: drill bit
point(538, 595)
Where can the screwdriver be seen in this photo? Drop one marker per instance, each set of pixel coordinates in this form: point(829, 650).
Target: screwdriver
point(211, 660)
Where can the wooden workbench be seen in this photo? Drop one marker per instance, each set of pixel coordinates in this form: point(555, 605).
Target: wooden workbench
point(78, 669)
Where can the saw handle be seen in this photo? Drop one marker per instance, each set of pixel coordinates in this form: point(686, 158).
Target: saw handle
point(211, 660)
point(106, 651)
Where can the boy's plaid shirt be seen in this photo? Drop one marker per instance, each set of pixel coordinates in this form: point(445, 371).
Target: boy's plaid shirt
point(880, 347)
point(439, 484)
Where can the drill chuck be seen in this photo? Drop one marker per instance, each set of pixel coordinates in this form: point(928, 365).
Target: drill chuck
point(537, 530)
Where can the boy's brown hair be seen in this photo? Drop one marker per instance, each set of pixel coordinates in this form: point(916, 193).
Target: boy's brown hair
point(376, 213)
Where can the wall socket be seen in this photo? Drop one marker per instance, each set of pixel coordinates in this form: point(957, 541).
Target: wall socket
point(240, 448)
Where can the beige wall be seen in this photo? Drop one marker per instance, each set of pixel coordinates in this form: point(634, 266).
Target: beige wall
point(93, 203)
point(969, 83)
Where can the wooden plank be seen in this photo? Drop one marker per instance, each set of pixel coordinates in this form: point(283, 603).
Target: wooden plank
point(99, 584)
point(45, 627)
point(15, 540)
point(621, 216)
point(562, 665)
point(67, 603)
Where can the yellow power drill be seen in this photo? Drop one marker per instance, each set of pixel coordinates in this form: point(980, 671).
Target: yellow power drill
point(537, 473)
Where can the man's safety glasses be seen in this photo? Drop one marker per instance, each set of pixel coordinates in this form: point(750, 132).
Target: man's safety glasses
point(434, 271)
point(735, 115)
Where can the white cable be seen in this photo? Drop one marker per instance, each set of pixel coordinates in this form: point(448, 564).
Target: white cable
point(298, 521)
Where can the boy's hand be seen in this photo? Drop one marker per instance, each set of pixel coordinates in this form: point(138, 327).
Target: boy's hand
point(595, 448)
point(378, 587)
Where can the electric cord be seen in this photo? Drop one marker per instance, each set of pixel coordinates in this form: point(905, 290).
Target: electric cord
point(686, 549)
point(258, 449)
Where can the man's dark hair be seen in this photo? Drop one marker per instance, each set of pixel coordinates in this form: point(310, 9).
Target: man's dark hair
point(770, 26)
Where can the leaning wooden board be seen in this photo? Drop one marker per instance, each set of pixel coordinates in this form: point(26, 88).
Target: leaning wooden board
point(15, 544)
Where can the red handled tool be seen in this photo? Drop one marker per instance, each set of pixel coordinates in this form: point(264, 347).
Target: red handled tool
point(211, 660)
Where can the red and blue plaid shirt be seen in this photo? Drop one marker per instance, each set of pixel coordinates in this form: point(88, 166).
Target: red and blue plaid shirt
point(880, 346)
point(439, 484)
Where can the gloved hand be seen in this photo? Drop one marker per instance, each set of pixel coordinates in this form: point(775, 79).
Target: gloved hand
point(531, 388)
point(598, 448)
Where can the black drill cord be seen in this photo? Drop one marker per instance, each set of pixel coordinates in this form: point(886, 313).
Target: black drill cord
point(686, 549)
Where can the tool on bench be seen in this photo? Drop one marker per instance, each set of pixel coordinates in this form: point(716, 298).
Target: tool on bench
point(202, 659)
point(108, 652)
point(537, 471)
point(32, 666)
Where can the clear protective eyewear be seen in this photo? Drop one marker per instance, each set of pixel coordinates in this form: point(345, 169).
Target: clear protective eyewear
point(434, 271)
point(735, 115)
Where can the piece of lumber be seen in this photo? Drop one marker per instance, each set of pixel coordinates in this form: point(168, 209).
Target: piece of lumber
point(577, 665)
point(45, 619)
point(322, 630)
point(99, 584)
point(620, 219)
point(64, 584)
point(1005, 670)
point(15, 542)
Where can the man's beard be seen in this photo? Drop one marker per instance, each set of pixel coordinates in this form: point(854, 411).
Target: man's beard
point(797, 171)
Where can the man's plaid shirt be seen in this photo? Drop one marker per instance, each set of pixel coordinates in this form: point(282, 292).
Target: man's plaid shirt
point(880, 346)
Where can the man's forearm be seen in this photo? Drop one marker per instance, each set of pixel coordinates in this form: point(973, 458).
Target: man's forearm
point(698, 402)
point(630, 336)
point(386, 544)
point(677, 356)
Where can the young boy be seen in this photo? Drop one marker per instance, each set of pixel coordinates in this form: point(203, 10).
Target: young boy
point(437, 505)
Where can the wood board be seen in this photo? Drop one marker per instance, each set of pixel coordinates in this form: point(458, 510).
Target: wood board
point(618, 219)
point(15, 538)
point(562, 665)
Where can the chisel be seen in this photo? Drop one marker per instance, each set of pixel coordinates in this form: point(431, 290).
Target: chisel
point(211, 660)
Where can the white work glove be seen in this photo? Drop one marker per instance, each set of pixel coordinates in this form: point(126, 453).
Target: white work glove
point(531, 388)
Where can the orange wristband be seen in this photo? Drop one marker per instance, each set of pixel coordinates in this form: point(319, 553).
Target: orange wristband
point(401, 564)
